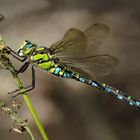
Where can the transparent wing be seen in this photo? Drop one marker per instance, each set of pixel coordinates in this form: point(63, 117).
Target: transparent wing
point(96, 34)
point(76, 42)
point(93, 66)
point(72, 50)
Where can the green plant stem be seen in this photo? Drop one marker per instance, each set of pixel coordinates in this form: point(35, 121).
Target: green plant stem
point(6, 63)
point(29, 104)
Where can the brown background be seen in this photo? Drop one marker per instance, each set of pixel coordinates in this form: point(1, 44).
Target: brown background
point(68, 109)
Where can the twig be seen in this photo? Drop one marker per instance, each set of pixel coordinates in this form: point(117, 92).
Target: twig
point(13, 115)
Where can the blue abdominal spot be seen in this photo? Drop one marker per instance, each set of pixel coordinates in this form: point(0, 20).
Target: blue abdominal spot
point(66, 75)
point(81, 79)
point(57, 70)
point(131, 102)
point(94, 84)
point(137, 103)
point(119, 96)
point(108, 90)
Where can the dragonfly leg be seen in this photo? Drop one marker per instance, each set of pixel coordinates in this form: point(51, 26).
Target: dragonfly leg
point(23, 68)
point(16, 55)
point(27, 88)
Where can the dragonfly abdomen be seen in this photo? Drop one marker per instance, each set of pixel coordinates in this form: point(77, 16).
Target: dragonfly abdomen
point(108, 89)
point(121, 95)
point(67, 73)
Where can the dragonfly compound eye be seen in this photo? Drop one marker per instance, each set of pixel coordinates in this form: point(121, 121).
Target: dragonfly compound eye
point(28, 46)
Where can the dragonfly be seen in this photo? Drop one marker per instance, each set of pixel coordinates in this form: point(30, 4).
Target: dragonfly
point(69, 58)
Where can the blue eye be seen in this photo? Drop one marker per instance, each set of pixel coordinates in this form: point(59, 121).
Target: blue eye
point(28, 46)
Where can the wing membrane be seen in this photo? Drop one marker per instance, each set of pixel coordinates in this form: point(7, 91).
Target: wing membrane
point(76, 42)
point(96, 34)
point(71, 51)
point(97, 65)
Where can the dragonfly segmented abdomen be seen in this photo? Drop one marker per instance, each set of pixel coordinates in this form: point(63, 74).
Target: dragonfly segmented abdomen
point(108, 89)
point(66, 73)
point(120, 95)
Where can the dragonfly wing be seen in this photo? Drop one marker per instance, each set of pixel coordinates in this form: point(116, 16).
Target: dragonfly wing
point(94, 66)
point(72, 50)
point(96, 34)
point(73, 43)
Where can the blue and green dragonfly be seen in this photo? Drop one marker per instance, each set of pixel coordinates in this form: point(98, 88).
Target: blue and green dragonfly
point(70, 58)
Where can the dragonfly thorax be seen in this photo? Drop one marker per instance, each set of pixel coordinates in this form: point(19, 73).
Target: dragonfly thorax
point(39, 56)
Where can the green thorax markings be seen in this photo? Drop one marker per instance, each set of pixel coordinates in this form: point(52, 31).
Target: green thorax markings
point(41, 58)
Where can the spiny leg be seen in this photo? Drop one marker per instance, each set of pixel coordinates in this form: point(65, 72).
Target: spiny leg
point(30, 87)
point(27, 88)
point(21, 70)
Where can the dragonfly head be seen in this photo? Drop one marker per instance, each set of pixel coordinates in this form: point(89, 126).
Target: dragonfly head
point(26, 48)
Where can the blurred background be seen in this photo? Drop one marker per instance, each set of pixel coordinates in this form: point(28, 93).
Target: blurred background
point(70, 110)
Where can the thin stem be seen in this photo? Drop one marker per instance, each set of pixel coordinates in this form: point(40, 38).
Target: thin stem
point(5, 62)
point(29, 105)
